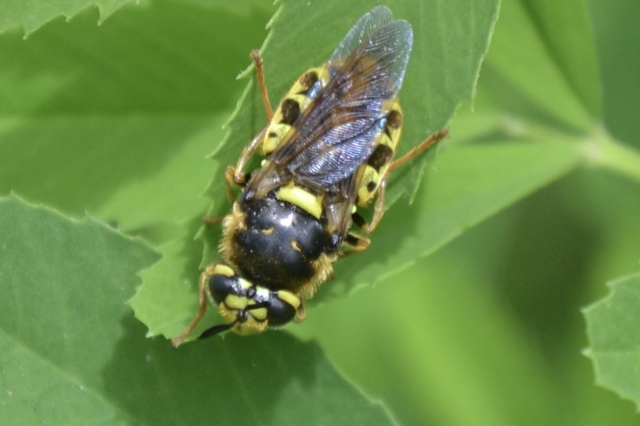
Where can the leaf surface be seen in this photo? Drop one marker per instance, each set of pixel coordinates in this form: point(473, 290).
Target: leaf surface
point(614, 339)
point(31, 15)
point(117, 119)
point(71, 353)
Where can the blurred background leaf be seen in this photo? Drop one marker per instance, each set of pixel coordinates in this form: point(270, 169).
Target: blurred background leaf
point(117, 119)
point(614, 337)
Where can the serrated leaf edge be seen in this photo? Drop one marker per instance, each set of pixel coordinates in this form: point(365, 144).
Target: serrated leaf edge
point(83, 220)
point(103, 14)
point(588, 352)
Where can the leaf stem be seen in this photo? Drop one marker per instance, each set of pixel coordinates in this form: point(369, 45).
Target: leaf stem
point(605, 151)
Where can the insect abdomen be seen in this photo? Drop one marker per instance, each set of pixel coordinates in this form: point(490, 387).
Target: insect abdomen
point(377, 166)
point(292, 105)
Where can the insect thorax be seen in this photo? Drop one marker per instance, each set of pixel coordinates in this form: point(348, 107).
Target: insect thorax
point(277, 245)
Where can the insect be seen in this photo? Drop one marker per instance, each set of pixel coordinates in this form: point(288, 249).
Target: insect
point(328, 151)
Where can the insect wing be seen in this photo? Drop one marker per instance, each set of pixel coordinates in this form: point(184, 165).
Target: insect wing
point(396, 42)
point(338, 132)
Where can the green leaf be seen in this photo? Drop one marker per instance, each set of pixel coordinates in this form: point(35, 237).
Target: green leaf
point(612, 325)
point(160, 196)
point(455, 336)
point(541, 81)
point(134, 173)
point(165, 302)
point(70, 352)
point(566, 32)
point(31, 15)
point(523, 76)
point(117, 119)
point(64, 284)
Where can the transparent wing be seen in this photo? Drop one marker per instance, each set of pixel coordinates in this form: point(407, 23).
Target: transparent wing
point(337, 132)
point(369, 24)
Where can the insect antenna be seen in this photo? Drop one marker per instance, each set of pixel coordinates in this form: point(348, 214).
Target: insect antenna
point(217, 329)
point(220, 328)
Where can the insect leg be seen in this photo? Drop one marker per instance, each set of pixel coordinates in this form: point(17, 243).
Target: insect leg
point(378, 211)
point(229, 180)
point(207, 220)
point(237, 175)
point(259, 64)
point(357, 244)
point(202, 305)
point(301, 314)
point(423, 146)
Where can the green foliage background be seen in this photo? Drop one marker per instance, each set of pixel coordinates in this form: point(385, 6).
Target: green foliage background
point(525, 213)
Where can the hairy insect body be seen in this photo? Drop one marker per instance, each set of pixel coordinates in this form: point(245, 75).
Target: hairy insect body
point(329, 148)
point(281, 251)
point(277, 244)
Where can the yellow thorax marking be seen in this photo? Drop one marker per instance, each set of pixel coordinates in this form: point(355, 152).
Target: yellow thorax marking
point(297, 196)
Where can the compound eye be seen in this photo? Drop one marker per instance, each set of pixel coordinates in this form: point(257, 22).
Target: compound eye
point(220, 286)
point(280, 312)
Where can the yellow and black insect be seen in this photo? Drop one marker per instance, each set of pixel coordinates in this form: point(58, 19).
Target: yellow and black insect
point(329, 149)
